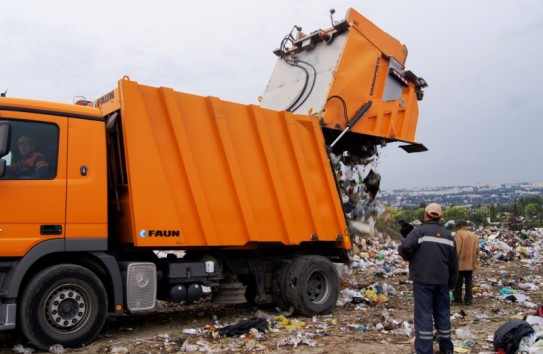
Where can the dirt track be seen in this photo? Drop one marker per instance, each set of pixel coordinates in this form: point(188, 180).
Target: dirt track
point(352, 328)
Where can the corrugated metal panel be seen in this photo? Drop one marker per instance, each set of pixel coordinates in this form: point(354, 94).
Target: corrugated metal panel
point(224, 174)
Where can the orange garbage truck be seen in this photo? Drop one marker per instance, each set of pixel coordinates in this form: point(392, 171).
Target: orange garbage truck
point(150, 194)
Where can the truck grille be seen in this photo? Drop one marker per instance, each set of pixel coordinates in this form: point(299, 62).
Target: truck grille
point(141, 286)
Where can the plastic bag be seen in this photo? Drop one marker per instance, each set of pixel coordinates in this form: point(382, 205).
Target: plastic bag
point(537, 347)
point(464, 333)
point(244, 326)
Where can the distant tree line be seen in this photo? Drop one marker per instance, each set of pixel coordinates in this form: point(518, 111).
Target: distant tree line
point(522, 213)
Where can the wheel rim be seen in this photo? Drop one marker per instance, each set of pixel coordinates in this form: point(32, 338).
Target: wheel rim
point(67, 308)
point(318, 287)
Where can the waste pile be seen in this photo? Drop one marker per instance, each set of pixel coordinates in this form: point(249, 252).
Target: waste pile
point(495, 286)
point(375, 306)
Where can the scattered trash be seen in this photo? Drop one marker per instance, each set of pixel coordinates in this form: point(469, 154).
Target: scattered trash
point(289, 324)
point(57, 349)
point(20, 349)
point(375, 287)
point(509, 335)
point(190, 331)
point(361, 328)
point(464, 333)
point(294, 340)
point(189, 348)
point(245, 326)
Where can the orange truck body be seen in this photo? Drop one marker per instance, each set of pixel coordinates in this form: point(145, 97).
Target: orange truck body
point(247, 191)
point(362, 63)
point(207, 172)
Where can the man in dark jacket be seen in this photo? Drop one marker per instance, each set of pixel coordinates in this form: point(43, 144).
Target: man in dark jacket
point(405, 227)
point(433, 268)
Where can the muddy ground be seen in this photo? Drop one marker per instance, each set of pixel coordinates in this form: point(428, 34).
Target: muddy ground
point(353, 328)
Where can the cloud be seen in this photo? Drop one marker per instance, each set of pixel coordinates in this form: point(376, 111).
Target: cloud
point(481, 58)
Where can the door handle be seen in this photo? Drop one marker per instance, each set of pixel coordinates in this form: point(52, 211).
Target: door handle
point(51, 229)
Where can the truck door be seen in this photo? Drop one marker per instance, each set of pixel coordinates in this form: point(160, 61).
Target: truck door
point(33, 189)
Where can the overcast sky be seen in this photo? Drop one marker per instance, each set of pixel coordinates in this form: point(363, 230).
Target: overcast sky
point(480, 118)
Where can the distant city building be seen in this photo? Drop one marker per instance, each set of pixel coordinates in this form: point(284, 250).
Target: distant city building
point(468, 196)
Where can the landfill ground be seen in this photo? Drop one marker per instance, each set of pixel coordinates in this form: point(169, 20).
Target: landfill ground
point(361, 323)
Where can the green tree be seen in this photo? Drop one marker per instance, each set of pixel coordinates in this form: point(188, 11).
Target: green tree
point(493, 213)
point(456, 213)
point(399, 214)
point(409, 214)
point(531, 210)
point(504, 208)
point(515, 222)
point(419, 214)
point(478, 218)
point(535, 199)
point(532, 223)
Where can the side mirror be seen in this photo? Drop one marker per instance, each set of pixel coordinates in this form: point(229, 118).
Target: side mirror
point(5, 134)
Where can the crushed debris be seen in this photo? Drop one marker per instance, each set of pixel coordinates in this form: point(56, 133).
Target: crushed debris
point(374, 312)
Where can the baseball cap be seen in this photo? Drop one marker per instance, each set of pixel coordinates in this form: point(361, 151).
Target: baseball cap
point(434, 210)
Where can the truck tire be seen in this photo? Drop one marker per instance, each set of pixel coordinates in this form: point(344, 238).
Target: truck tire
point(278, 285)
point(312, 285)
point(63, 304)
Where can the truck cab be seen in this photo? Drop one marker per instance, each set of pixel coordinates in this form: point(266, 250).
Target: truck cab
point(53, 201)
point(64, 203)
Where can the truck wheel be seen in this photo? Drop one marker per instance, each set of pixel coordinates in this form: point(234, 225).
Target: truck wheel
point(63, 304)
point(278, 285)
point(312, 285)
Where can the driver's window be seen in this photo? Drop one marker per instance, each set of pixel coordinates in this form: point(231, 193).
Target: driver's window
point(34, 151)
